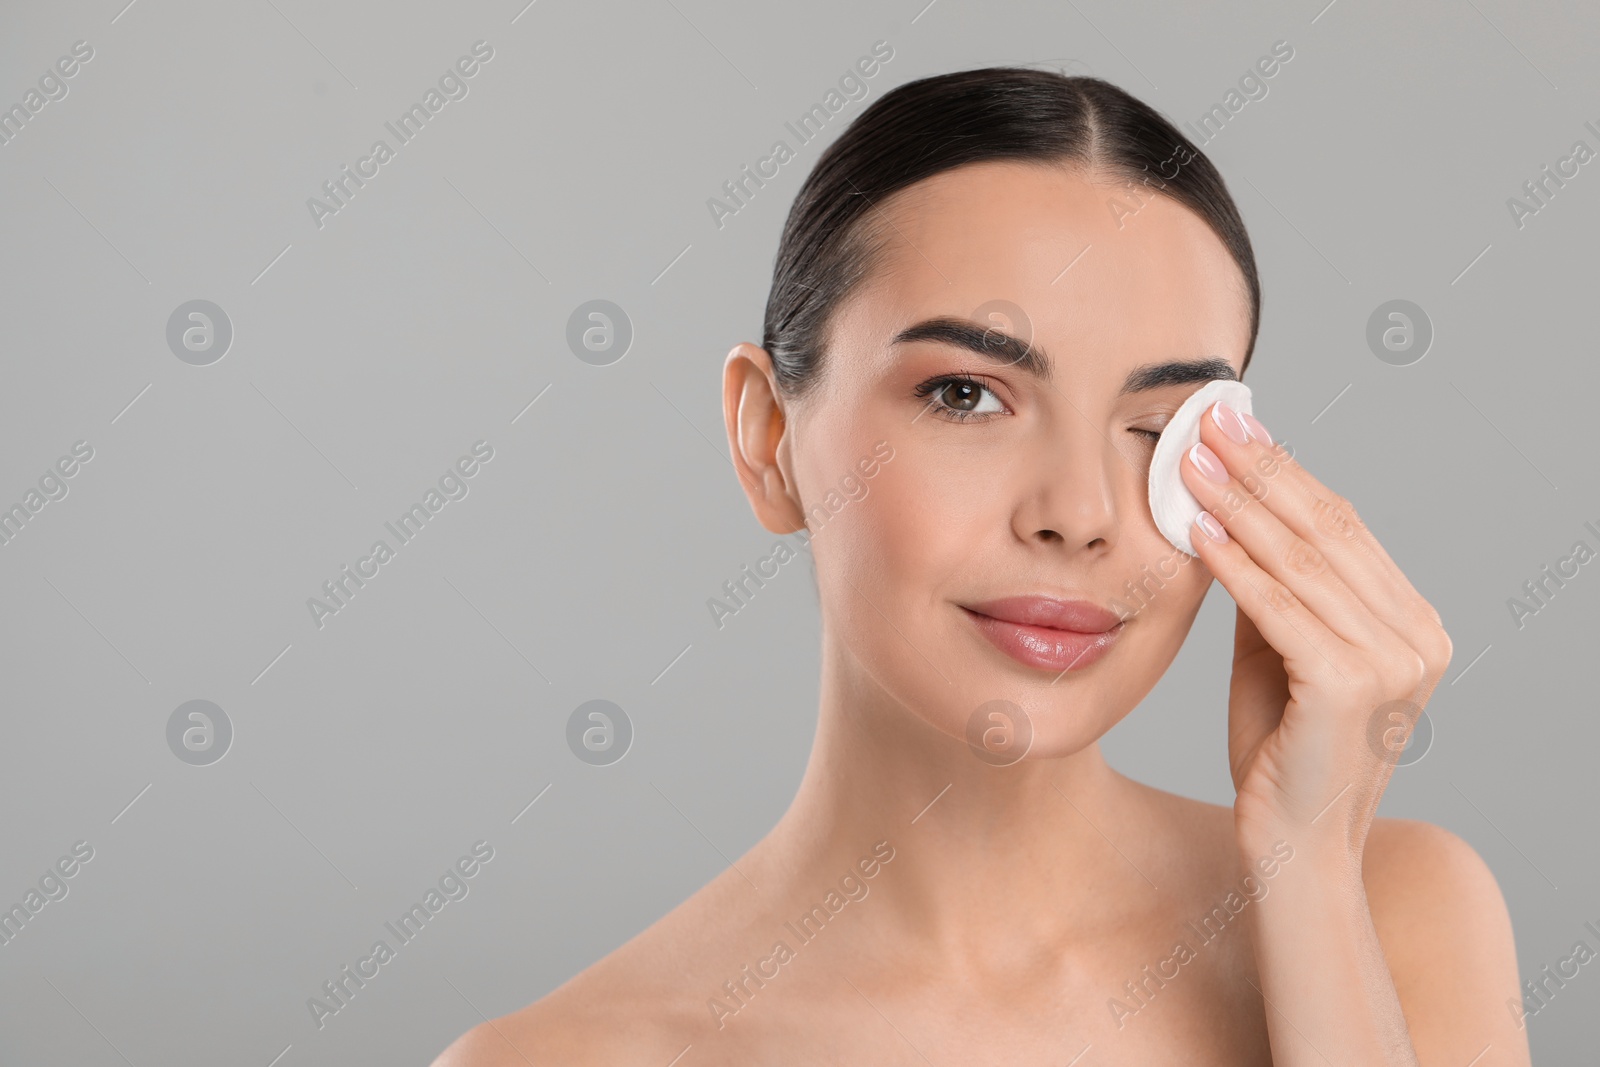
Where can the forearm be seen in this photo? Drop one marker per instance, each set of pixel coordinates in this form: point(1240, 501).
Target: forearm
point(1329, 997)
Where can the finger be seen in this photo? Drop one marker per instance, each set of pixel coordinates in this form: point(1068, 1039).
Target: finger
point(1304, 641)
point(1258, 693)
point(1329, 523)
point(1321, 518)
point(1281, 553)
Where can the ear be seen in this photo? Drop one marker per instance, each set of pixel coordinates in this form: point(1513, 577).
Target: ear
point(755, 420)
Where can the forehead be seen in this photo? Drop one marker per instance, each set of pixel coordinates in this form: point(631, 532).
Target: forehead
point(1106, 275)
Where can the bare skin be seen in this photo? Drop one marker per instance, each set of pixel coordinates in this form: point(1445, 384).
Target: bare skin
point(1032, 913)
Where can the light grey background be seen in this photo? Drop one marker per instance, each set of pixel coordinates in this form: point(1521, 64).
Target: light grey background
point(370, 353)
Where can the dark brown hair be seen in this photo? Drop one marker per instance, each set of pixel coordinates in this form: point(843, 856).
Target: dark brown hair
point(934, 124)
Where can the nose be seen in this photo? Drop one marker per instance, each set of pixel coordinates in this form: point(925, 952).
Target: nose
point(1067, 490)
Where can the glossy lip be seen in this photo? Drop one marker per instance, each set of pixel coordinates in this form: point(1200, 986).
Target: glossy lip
point(1045, 632)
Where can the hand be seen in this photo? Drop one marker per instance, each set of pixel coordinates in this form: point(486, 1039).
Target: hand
point(1329, 640)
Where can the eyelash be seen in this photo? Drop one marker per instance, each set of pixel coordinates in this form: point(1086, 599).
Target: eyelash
point(930, 390)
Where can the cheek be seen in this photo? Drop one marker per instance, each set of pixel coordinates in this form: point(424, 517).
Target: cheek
point(886, 566)
point(907, 541)
point(889, 565)
point(1162, 587)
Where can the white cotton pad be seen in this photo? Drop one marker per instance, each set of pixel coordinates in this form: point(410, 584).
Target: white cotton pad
point(1172, 505)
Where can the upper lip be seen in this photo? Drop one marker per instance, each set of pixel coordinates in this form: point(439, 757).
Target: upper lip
point(1079, 616)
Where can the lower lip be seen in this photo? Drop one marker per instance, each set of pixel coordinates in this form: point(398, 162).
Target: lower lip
point(1042, 647)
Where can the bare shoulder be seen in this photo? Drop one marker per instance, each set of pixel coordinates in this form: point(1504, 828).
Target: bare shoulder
point(1446, 935)
point(532, 1035)
point(579, 1024)
point(1423, 883)
point(637, 1004)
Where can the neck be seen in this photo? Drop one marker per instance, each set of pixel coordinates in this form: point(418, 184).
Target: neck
point(987, 860)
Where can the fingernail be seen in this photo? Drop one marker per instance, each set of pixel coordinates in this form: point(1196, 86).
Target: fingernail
point(1211, 527)
point(1227, 421)
point(1208, 463)
point(1258, 431)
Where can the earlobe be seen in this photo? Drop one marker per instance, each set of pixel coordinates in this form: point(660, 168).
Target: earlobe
point(756, 424)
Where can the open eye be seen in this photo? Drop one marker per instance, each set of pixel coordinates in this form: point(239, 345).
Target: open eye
point(958, 396)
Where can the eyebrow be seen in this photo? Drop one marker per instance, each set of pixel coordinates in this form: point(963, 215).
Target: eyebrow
point(1001, 348)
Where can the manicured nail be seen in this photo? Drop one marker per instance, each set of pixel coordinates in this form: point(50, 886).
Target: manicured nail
point(1211, 527)
point(1208, 463)
point(1258, 431)
point(1227, 421)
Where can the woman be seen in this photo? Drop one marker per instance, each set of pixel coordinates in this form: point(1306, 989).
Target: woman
point(961, 878)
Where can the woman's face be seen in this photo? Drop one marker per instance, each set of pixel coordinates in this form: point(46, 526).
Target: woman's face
point(1025, 482)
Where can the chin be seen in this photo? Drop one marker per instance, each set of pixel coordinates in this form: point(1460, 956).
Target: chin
point(946, 673)
point(1008, 711)
point(1005, 717)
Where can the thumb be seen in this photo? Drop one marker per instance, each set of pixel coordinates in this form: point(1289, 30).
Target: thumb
point(1257, 694)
